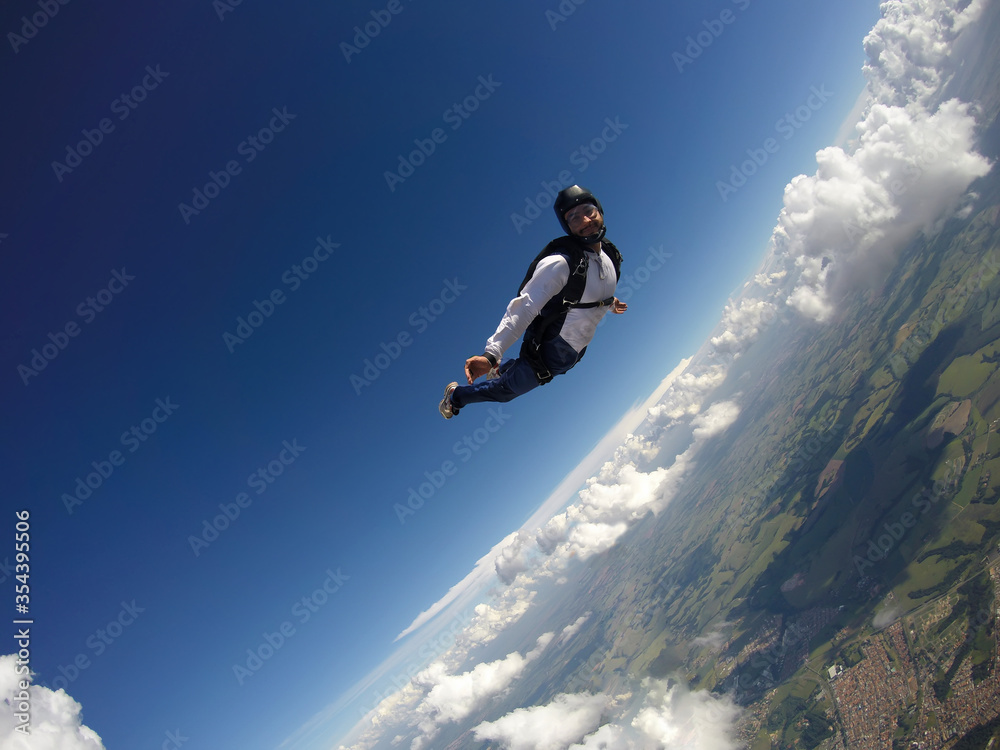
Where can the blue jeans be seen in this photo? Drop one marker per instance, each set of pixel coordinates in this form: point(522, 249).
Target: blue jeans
point(517, 376)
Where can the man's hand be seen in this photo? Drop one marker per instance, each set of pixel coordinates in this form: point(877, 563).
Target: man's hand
point(618, 307)
point(476, 367)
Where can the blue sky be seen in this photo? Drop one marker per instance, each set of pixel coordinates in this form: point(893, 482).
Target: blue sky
point(429, 262)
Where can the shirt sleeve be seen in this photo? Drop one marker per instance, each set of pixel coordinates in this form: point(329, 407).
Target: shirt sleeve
point(551, 275)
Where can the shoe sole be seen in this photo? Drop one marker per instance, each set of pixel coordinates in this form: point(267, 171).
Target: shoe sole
point(448, 411)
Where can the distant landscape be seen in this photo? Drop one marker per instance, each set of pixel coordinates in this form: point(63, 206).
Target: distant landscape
point(834, 566)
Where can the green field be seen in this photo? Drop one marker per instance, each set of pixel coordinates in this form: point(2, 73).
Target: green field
point(754, 556)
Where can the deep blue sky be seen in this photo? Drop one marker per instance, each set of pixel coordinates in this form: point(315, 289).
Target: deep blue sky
point(217, 83)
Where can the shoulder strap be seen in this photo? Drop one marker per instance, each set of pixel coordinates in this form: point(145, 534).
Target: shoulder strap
point(574, 256)
point(567, 299)
point(616, 257)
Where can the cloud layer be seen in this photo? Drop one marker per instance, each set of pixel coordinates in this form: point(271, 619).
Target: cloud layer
point(665, 715)
point(617, 498)
point(846, 223)
point(907, 172)
point(554, 726)
point(452, 698)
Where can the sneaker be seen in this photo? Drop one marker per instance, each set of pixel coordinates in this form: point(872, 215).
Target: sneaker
point(494, 372)
point(447, 410)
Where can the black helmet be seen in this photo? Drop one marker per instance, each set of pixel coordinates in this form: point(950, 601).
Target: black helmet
point(571, 197)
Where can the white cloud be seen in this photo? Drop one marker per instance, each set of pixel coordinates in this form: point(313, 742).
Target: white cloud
point(55, 722)
point(844, 225)
point(451, 698)
point(907, 171)
point(716, 419)
point(567, 719)
point(685, 720)
point(492, 618)
point(608, 737)
point(910, 48)
point(769, 279)
point(606, 508)
point(570, 630)
point(553, 533)
point(589, 539)
point(714, 638)
point(513, 558)
point(622, 496)
point(661, 715)
point(605, 511)
point(469, 586)
point(685, 396)
point(886, 616)
point(742, 323)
